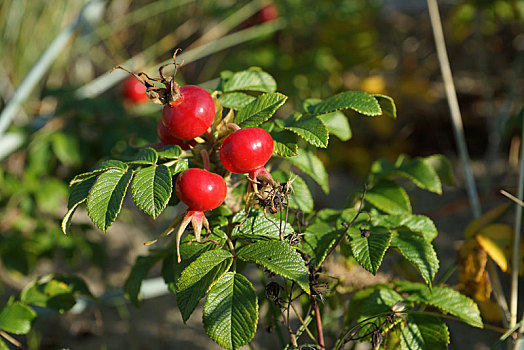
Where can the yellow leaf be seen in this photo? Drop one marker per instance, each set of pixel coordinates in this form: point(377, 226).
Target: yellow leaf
point(473, 277)
point(496, 239)
point(486, 219)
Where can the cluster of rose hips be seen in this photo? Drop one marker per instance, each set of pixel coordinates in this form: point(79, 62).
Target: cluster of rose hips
point(188, 112)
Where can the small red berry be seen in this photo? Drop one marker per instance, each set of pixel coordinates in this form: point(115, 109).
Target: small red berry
point(246, 149)
point(191, 114)
point(134, 90)
point(167, 139)
point(200, 189)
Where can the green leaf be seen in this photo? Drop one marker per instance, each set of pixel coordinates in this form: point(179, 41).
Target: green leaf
point(65, 147)
point(338, 125)
point(411, 337)
point(170, 152)
point(236, 100)
point(250, 80)
point(434, 331)
point(358, 101)
point(257, 226)
point(139, 271)
point(318, 239)
point(77, 196)
point(231, 311)
point(54, 291)
point(151, 189)
point(415, 223)
point(387, 105)
point(311, 128)
point(278, 257)
point(300, 196)
point(416, 170)
point(98, 169)
point(17, 318)
point(419, 252)
point(146, 156)
point(285, 142)
point(106, 197)
point(369, 251)
point(3, 345)
point(381, 300)
point(259, 110)
point(198, 277)
point(459, 305)
point(443, 168)
point(179, 167)
point(310, 164)
point(389, 197)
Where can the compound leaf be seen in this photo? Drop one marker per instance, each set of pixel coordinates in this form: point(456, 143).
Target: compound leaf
point(78, 195)
point(236, 100)
point(231, 311)
point(250, 80)
point(369, 249)
point(310, 164)
point(419, 252)
point(311, 128)
point(106, 196)
point(198, 277)
point(358, 101)
point(278, 257)
point(389, 197)
point(257, 226)
point(151, 189)
point(338, 125)
point(260, 109)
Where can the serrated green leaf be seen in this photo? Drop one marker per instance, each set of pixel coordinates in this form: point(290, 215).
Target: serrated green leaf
point(98, 169)
point(171, 269)
point(179, 167)
point(311, 128)
point(54, 291)
point(443, 168)
point(380, 301)
point(170, 152)
point(198, 277)
point(250, 80)
point(387, 105)
point(285, 142)
point(231, 311)
point(337, 124)
point(106, 196)
point(143, 264)
point(389, 197)
point(459, 305)
point(278, 257)
point(257, 226)
point(415, 223)
point(300, 196)
point(77, 196)
point(311, 165)
point(434, 331)
point(259, 110)
point(369, 251)
point(151, 189)
point(411, 337)
point(416, 170)
point(358, 101)
point(318, 239)
point(17, 318)
point(419, 252)
point(236, 100)
point(146, 156)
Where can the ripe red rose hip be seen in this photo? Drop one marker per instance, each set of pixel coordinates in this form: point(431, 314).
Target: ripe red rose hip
point(191, 114)
point(134, 90)
point(246, 149)
point(167, 139)
point(200, 189)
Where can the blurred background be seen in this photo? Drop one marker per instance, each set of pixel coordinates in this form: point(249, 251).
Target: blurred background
point(55, 56)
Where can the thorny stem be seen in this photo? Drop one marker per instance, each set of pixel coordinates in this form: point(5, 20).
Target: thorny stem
point(347, 226)
point(318, 320)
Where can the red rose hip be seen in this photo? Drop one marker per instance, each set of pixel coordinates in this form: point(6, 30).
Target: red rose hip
point(200, 189)
point(167, 139)
point(246, 149)
point(134, 90)
point(191, 114)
